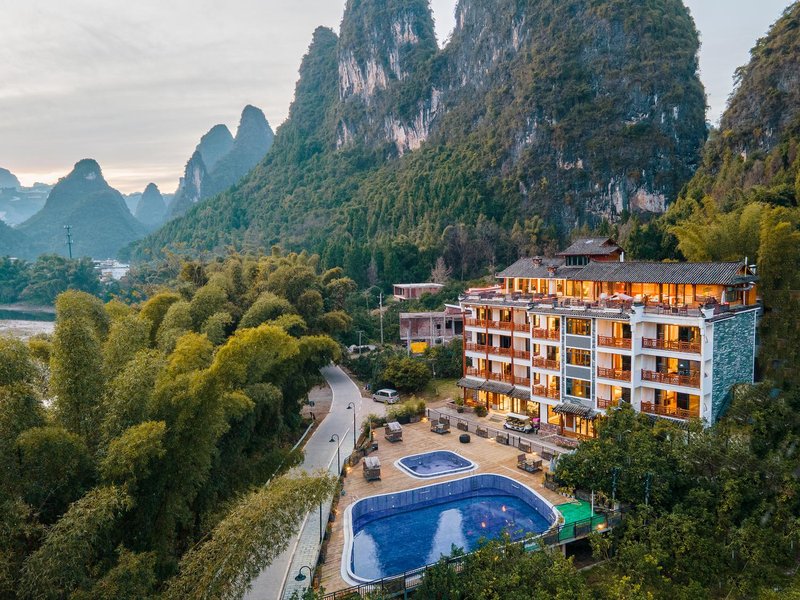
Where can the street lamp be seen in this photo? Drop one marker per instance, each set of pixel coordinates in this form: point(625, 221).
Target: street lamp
point(300, 576)
point(352, 406)
point(338, 457)
point(359, 341)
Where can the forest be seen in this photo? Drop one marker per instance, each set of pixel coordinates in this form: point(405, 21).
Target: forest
point(135, 444)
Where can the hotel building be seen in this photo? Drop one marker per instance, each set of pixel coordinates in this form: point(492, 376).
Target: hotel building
point(566, 339)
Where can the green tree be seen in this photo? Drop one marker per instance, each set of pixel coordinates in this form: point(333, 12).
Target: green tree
point(406, 374)
point(253, 534)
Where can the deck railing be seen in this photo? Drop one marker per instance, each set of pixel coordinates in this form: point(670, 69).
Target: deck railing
point(617, 374)
point(606, 403)
point(546, 363)
point(614, 342)
point(670, 411)
point(523, 354)
point(690, 380)
point(547, 334)
point(671, 345)
point(522, 381)
point(546, 392)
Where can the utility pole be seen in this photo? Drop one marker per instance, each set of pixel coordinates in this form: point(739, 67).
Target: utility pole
point(69, 239)
point(359, 341)
point(380, 309)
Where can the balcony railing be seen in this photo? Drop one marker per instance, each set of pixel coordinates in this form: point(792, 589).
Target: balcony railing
point(522, 381)
point(505, 325)
point(605, 403)
point(546, 392)
point(614, 342)
point(523, 354)
point(474, 371)
point(506, 378)
point(547, 334)
point(475, 323)
point(670, 411)
point(671, 345)
point(617, 374)
point(690, 380)
point(546, 363)
point(473, 347)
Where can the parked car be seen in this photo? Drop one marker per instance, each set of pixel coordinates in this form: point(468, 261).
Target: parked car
point(386, 395)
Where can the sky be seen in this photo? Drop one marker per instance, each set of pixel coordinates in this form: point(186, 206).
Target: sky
point(135, 84)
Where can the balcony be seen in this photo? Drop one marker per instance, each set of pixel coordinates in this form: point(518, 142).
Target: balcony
point(690, 380)
point(546, 363)
point(614, 342)
point(523, 354)
point(616, 374)
point(671, 345)
point(547, 334)
point(491, 375)
point(670, 411)
point(475, 323)
point(522, 381)
point(606, 403)
point(546, 392)
point(484, 324)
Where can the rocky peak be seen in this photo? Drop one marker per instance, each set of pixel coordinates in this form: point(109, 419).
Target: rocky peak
point(151, 209)
point(254, 135)
point(214, 145)
point(382, 41)
point(766, 100)
point(8, 179)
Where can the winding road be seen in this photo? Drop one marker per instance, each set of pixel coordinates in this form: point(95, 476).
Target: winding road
point(278, 579)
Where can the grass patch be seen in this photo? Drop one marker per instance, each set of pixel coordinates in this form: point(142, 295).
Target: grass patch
point(440, 389)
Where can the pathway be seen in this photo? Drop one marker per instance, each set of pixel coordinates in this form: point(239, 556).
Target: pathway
point(277, 581)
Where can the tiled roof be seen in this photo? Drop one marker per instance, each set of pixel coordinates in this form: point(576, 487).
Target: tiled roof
point(572, 408)
point(470, 384)
point(497, 387)
point(726, 273)
point(521, 393)
point(526, 268)
point(591, 247)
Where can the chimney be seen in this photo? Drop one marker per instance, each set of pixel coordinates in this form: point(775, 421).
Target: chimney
point(537, 261)
point(622, 256)
point(551, 271)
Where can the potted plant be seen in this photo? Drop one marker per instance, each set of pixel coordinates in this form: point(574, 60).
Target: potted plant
point(480, 410)
point(459, 405)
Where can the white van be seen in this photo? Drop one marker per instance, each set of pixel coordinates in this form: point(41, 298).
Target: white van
point(386, 395)
point(517, 422)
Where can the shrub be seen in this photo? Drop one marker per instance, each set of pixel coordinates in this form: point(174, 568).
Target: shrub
point(406, 374)
point(480, 410)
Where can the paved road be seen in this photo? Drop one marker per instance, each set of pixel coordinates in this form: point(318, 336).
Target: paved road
point(320, 453)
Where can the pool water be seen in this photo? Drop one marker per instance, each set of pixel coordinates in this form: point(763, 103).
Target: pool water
point(412, 538)
point(435, 464)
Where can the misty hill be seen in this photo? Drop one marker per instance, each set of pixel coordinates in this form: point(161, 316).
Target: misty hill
point(536, 117)
point(8, 179)
point(11, 241)
point(151, 209)
point(101, 222)
point(221, 161)
point(21, 203)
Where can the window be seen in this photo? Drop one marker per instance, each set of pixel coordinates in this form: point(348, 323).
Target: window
point(579, 326)
point(578, 388)
point(505, 341)
point(580, 358)
point(577, 261)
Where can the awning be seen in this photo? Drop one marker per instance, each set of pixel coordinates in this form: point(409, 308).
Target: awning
point(520, 393)
point(497, 387)
point(571, 408)
point(470, 384)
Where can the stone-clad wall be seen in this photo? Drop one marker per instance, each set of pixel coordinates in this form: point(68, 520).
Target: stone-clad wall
point(734, 356)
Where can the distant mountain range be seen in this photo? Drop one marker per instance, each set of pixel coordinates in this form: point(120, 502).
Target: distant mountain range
point(220, 160)
point(101, 218)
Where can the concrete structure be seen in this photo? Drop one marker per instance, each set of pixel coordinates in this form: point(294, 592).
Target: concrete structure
point(414, 291)
point(431, 328)
point(565, 339)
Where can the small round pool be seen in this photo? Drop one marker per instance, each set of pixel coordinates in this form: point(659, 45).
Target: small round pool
point(390, 534)
point(435, 464)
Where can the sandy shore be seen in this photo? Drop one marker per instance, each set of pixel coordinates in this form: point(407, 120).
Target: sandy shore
point(25, 329)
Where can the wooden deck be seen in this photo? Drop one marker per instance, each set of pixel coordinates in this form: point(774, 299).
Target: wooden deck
point(490, 456)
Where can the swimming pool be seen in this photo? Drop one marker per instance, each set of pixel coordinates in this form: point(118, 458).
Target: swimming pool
point(435, 464)
point(389, 534)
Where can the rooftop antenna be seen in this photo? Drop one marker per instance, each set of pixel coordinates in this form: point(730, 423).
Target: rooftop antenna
point(69, 239)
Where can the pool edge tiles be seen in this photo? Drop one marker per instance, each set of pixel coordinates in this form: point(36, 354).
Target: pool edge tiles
point(382, 505)
point(469, 467)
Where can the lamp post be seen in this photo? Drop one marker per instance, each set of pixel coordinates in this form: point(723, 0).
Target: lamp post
point(359, 341)
point(338, 457)
point(352, 406)
point(300, 576)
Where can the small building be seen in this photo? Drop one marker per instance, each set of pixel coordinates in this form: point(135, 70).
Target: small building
point(591, 249)
point(414, 291)
point(431, 328)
